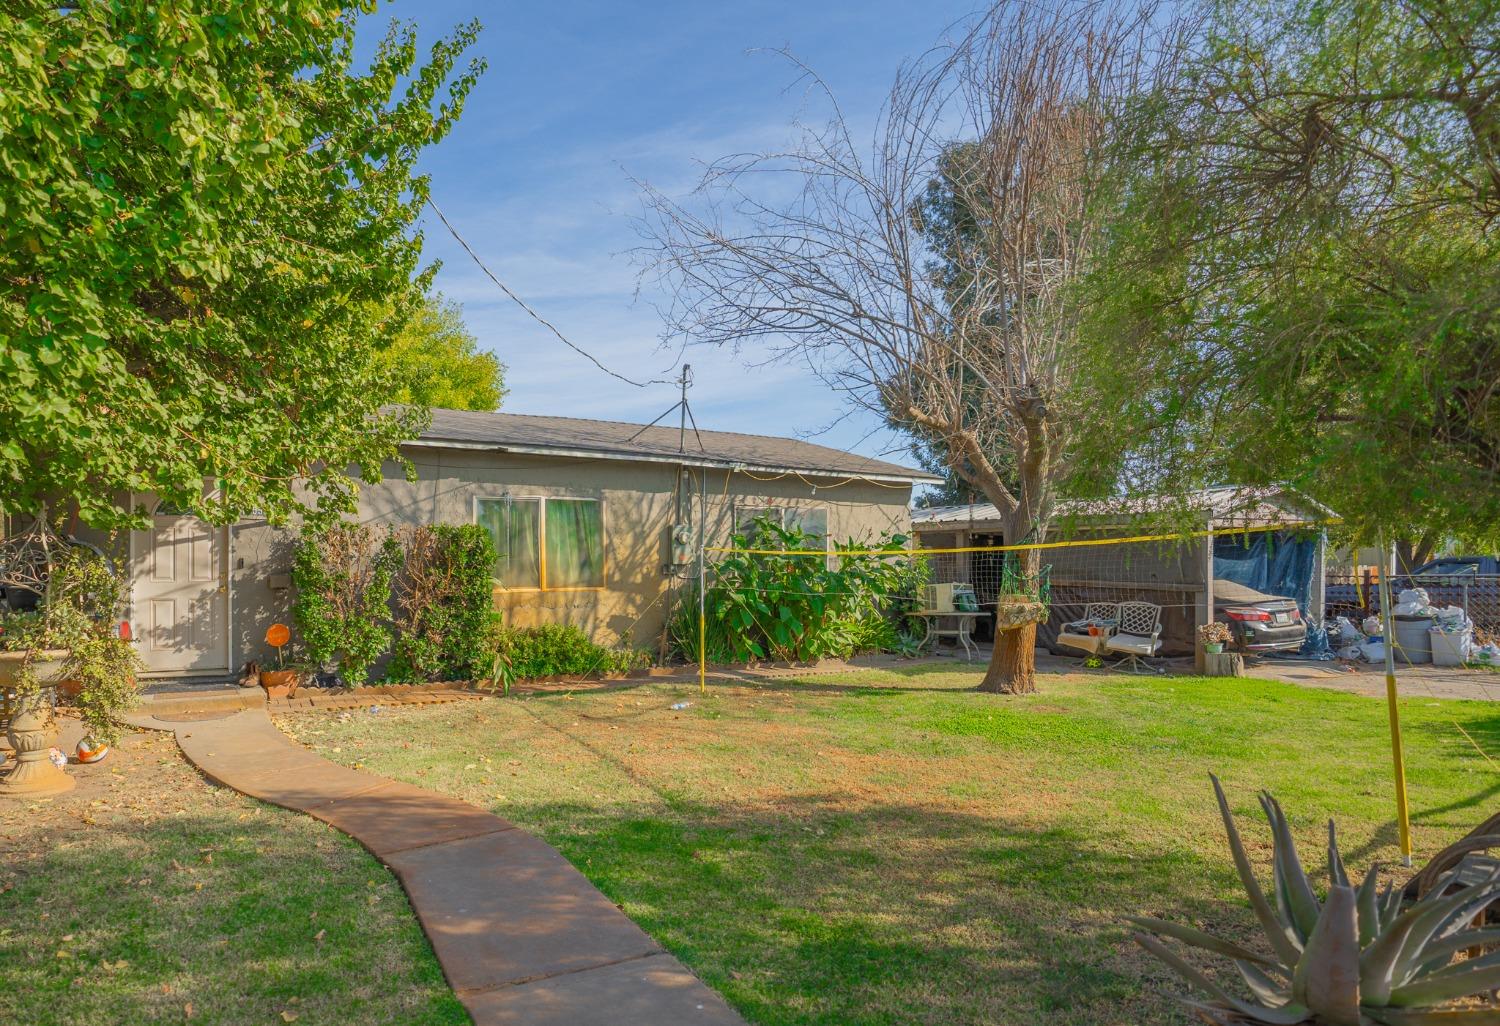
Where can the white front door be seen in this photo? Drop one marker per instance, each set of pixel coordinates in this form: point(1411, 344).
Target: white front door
point(181, 595)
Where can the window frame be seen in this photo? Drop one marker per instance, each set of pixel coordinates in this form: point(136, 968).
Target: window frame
point(541, 538)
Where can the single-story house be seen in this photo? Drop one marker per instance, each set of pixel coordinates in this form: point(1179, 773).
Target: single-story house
point(1268, 539)
point(596, 522)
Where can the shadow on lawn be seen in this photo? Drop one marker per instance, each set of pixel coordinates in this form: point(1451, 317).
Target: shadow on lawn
point(236, 916)
point(810, 912)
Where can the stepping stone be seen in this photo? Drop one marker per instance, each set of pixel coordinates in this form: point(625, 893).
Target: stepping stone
point(648, 991)
point(505, 907)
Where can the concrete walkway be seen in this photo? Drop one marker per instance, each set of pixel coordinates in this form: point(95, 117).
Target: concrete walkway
point(522, 936)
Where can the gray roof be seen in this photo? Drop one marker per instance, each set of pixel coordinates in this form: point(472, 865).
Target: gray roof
point(1229, 505)
point(608, 439)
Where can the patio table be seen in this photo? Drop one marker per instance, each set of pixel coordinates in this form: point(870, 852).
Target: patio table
point(962, 632)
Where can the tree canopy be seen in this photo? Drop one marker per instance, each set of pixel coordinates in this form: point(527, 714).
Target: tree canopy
point(200, 202)
point(435, 361)
point(1302, 288)
point(928, 273)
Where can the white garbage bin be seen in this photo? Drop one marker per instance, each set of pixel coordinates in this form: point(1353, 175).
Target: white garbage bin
point(1450, 648)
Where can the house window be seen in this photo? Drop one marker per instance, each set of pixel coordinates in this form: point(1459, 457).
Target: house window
point(745, 517)
point(515, 526)
point(811, 522)
point(575, 544)
point(547, 544)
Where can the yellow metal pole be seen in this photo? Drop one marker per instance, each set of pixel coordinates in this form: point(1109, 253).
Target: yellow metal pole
point(702, 584)
point(1393, 712)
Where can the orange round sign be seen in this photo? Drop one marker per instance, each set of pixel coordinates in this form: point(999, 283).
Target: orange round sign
point(277, 635)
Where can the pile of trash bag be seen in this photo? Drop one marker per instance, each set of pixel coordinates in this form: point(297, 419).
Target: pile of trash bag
point(1451, 629)
point(1412, 602)
point(1364, 643)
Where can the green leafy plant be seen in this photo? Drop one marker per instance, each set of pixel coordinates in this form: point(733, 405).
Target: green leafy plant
point(559, 649)
point(1354, 958)
point(799, 607)
point(343, 575)
point(502, 673)
point(444, 604)
point(80, 614)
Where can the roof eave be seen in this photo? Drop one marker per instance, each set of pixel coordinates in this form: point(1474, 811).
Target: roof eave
point(679, 459)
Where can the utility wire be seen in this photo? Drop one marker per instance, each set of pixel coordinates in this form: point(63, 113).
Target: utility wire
point(534, 315)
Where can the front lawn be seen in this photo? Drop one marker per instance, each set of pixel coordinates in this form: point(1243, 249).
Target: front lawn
point(148, 895)
point(898, 848)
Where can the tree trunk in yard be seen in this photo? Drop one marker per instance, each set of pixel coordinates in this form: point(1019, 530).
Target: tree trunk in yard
point(1012, 669)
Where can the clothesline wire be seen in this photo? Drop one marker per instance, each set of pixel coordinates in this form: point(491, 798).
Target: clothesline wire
point(533, 314)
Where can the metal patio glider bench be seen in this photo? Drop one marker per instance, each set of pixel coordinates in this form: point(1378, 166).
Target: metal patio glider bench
point(1131, 630)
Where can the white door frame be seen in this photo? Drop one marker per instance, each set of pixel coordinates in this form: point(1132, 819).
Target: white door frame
point(226, 584)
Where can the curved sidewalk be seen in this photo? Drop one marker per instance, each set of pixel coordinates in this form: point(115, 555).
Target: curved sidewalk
point(522, 936)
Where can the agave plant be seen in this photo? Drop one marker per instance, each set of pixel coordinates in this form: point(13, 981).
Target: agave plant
point(1355, 958)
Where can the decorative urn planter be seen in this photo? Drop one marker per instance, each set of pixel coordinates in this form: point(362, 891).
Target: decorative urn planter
point(33, 728)
point(279, 683)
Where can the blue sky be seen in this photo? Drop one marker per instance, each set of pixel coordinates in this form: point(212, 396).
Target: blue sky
point(581, 95)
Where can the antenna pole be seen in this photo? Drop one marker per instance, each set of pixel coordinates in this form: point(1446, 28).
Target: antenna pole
point(682, 405)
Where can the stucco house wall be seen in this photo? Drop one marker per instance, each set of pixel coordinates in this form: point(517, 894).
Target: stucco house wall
point(639, 513)
point(201, 597)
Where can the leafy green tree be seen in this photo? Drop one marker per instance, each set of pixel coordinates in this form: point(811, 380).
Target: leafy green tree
point(435, 361)
point(199, 201)
point(1304, 288)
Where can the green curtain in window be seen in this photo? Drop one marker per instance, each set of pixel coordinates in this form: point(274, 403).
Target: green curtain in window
point(514, 525)
point(575, 543)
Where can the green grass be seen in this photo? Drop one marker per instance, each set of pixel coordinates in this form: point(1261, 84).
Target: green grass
point(897, 848)
point(149, 896)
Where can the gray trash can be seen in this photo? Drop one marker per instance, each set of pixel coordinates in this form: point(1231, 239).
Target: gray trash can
point(1413, 643)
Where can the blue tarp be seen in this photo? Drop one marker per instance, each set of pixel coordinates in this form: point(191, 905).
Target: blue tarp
point(1271, 562)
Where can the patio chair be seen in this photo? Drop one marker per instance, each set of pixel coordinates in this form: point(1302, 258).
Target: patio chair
point(1137, 637)
point(1102, 616)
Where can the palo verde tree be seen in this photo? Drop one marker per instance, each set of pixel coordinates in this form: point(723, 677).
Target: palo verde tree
point(927, 277)
point(200, 203)
point(1302, 284)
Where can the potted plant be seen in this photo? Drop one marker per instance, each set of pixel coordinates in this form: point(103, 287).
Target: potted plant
point(33, 652)
point(72, 636)
point(1214, 636)
point(280, 682)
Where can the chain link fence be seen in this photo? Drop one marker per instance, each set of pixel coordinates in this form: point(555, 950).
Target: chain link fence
point(1358, 595)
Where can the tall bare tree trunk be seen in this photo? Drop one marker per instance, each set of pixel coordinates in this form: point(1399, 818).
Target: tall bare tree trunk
point(1012, 669)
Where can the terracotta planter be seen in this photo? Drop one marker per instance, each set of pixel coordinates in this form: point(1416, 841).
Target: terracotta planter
point(33, 728)
point(279, 683)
